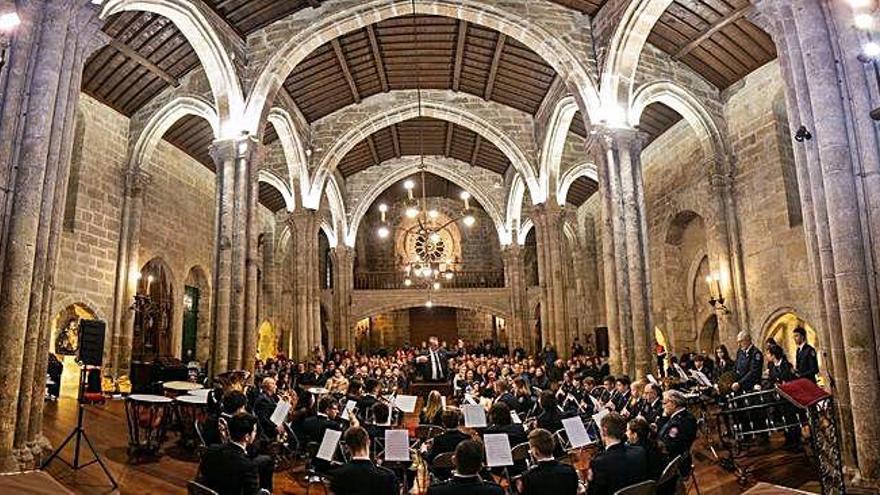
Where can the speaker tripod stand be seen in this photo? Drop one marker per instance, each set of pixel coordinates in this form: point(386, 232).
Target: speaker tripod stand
point(79, 434)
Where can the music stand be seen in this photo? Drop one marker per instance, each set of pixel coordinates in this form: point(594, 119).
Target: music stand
point(79, 433)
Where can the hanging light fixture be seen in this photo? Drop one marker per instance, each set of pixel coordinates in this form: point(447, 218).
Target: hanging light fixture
point(429, 266)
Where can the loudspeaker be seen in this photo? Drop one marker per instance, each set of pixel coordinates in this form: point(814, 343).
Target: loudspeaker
point(91, 342)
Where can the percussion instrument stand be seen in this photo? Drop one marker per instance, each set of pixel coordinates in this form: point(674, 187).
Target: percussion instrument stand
point(79, 433)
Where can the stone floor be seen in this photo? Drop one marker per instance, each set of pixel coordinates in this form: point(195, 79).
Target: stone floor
point(106, 427)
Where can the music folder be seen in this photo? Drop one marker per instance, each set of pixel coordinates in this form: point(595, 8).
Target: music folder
point(280, 412)
point(514, 418)
point(474, 416)
point(498, 451)
point(406, 403)
point(328, 444)
point(577, 433)
point(396, 446)
point(349, 407)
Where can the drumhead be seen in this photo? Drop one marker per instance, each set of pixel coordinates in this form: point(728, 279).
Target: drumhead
point(156, 399)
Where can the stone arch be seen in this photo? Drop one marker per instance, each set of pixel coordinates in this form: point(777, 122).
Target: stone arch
point(708, 337)
point(524, 230)
point(208, 45)
point(438, 299)
point(554, 144)
point(197, 276)
point(157, 330)
point(330, 232)
point(677, 224)
point(587, 170)
point(268, 339)
point(163, 119)
point(687, 105)
point(366, 12)
point(438, 110)
point(64, 341)
point(780, 323)
point(622, 59)
point(294, 147)
point(409, 166)
point(514, 203)
point(278, 183)
point(337, 210)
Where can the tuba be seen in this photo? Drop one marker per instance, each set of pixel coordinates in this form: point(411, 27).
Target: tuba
point(232, 380)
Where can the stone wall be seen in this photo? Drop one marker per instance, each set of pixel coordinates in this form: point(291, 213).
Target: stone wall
point(389, 330)
point(475, 326)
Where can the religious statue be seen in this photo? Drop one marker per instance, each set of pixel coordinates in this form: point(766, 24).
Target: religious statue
point(67, 342)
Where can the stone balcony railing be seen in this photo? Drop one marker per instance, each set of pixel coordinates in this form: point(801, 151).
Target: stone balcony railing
point(478, 279)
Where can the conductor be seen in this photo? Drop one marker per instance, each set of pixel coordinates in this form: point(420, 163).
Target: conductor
point(435, 361)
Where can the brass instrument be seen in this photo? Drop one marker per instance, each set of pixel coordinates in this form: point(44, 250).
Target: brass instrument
point(232, 380)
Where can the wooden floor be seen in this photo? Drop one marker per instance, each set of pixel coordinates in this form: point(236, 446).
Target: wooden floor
point(105, 426)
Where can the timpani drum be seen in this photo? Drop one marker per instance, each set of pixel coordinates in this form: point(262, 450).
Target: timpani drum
point(190, 408)
point(176, 388)
point(201, 392)
point(147, 417)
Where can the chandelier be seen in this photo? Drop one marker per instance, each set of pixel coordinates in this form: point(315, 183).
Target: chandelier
point(429, 234)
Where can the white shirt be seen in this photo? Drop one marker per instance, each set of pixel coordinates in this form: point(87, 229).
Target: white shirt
point(436, 371)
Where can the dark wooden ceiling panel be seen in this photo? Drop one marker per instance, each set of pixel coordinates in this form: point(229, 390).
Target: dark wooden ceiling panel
point(656, 119)
point(581, 190)
point(247, 16)
point(435, 187)
point(714, 38)
point(589, 7)
point(271, 198)
point(193, 135)
point(424, 136)
point(429, 52)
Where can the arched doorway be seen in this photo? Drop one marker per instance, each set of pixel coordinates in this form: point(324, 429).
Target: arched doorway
point(267, 343)
point(196, 335)
point(153, 313)
point(709, 338)
point(781, 329)
point(65, 344)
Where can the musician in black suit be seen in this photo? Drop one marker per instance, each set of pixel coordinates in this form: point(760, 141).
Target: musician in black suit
point(264, 406)
point(501, 422)
point(468, 460)
point(653, 404)
point(779, 368)
point(327, 417)
point(749, 364)
point(370, 397)
point(547, 475)
point(806, 361)
point(226, 468)
point(360, 476)
point(503, 394)
point(380, 423)
point(550, 417)
point(620, 465)
point(679, 430)
point(621, 399)
point(435, 361)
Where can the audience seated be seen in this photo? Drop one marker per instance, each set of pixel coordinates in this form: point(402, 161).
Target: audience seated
point(361, 476)
point(547, 476)
point(466, 480)
point(620, 465)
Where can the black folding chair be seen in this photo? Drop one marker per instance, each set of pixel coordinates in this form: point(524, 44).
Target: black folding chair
point(442, 463)
point(193, 487)
point(644, 488)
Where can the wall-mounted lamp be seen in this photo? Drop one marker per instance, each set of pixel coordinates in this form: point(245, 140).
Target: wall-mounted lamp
point(716, 299)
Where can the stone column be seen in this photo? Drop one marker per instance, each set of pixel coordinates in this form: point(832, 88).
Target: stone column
point(619, 357)
point(515, 281)
point(826, 94)
point(626, 206)
point(306, 294)
point(251, 292)
point(548, 221)
point(46, 59)
point(342, 258)
point(233, 227)
point(127, 265)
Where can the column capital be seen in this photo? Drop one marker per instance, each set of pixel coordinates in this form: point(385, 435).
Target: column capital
point(621, 137)
point(238, 148)
point(720, 181)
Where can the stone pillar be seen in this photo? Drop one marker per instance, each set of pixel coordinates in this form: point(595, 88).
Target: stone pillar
point(342, 258)
point(46, 59)
point(233, 247)
point(304, 225)
point(626, 208)
point(127, 265)
point(252, 289)
point(826, 93)
point(515, 281)
point(548, 221)
point(618, 353)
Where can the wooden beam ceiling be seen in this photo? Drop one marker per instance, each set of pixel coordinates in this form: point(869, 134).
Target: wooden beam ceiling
point(144, 61)
point(460, 40)
point(493, 69)
point(714, 28)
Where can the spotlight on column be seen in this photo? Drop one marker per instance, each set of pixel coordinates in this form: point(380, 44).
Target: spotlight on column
point(9, 21)
point(863, 21)
point(383, 232)
point(429, 304)
point(871, 49)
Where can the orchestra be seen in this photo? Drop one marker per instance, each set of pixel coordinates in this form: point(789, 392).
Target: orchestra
point(635, 429)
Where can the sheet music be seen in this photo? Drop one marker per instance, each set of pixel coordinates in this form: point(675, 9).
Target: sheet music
point(396, 446)
point(596, 405)
point(701, 377)
point(597, 418)
point(469, 399)
point(474, 416)
point(571, 398)
point(498, 451)
point(349, 407)
point(515, 418)
point(406, 403)
point(577, 433)
point(280, 412)
point(680, 370)
point(328, 444)
point(443, 401)
point(652, 379)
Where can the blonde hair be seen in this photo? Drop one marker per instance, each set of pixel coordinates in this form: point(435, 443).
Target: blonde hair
point(433, 406)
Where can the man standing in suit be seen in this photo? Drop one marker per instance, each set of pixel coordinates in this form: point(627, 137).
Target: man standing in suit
point(620, 465)
point(468, 460)
point(548, 475)
point(264, 406)
point(806, 361)
point(680, 429)
point(749, 364)
point(227, 468)
point(435, 361)
point(360, 475)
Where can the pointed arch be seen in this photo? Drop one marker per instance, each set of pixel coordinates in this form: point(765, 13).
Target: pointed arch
point(554, 144)
point(514, 203)
point(209, 47)
point(337, 209)
point(586, 169)
point(408, 166)
point(294, 148)
point(523, 232)
point(278, 183)
point(163, 119)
